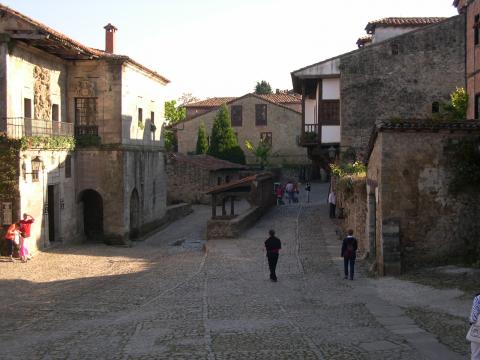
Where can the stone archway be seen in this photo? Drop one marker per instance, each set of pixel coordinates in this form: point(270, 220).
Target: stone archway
point(134, 215)
point(92, 215)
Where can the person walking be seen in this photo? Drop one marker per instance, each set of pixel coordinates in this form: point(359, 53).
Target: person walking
point(474, 333)
point(273, 246)
point(25, 226)
point(349, 254)
point(12, 232)
point(332, 201)
point(289, 191)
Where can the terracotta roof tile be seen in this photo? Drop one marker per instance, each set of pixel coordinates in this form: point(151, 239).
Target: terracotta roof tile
point(66, 41)
point(283, 98)
point(211, 102)
point(364, 40)
point(206, 161)
point(402, 21)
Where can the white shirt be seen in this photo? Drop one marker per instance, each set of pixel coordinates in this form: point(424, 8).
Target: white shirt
point(332, 199)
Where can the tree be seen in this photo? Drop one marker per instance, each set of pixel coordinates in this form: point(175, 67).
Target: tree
point(261, 151)
point(262, 88)
point(187, 98)
point(202, 141)
point(223, 143)
point(173, 115)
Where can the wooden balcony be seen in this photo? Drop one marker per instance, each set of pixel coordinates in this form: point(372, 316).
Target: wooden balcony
point(310, 135)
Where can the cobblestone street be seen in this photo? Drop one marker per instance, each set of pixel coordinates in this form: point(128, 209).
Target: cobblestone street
point(166, 298)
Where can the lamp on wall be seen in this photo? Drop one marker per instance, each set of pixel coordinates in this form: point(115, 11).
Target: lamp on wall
point(37, 165)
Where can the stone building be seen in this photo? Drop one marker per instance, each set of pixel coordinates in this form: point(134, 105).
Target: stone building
point(412, 217)
point(404, 76)
point(191, 176)
point(86, 128)
point(254, 117)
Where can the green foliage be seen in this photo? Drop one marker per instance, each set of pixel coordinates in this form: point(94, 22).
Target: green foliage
point(202, 141)
point(9, 168)
point(464, 161)
point(87, 140)
point(262, 88)
point(153, 127)
point(223, 143)
point(174, 113)
point(455, 109)
point(45, 142)
point(141, 125)
point(347, 173)
point(261, 152)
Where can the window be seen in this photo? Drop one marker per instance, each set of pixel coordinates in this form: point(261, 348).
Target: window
point(227, 179)
point(476, 29)
point(55, 114)
point(140, 116)
point(68, 166)
point(85, 111)
point(266, 137)
point(260, 114)
point(152, 117)
point(477, 106)
point(435, 107)
point(395, 49)
point(236, 113)
point(219, 180)
point(27, 108)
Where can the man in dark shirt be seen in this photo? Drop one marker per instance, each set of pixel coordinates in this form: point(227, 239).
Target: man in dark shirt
point(349, 254)
point(273, 246)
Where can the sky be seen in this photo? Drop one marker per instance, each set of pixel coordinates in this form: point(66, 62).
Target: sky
point(223, 47)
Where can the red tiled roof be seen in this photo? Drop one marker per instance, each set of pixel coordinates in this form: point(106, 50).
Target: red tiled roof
point(239, 183)
point(206, 161)
point(66, 41)
point(283, 98)
point(364, 40)
point(402, 21)
point(212, 102)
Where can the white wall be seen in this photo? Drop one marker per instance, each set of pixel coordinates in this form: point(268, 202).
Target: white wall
point(140, 90)
point(310, 111)
point(384, 33)
point(330, 134)
point(331, 89)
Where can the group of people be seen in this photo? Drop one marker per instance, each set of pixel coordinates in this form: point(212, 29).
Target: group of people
point(291, 191)
point(17, 235)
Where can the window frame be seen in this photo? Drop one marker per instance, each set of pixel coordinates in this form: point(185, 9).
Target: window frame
point(267, 135)
point(239, 115)
point(261, 109)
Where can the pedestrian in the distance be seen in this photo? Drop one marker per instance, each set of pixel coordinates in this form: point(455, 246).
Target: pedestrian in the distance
point(25, 225)
point(289, 191)
point(474, 332)
point(273, 246)
point(349, 254)
point(332, 201)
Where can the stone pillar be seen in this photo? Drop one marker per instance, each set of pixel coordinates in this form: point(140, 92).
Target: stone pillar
point(371, 228)
point(391, 247)
point(224, 210)
point(232, 206)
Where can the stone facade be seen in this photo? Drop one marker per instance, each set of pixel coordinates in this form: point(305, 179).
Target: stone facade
point(283, 124)
point(413, 220)
point(191, 176)
point(400, 78)
point(112, 184)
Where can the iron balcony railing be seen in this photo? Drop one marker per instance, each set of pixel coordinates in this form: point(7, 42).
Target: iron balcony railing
point(81, 130)
point(18, 127)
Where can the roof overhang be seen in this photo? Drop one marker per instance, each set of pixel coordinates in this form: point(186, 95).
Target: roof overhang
point(326, 69)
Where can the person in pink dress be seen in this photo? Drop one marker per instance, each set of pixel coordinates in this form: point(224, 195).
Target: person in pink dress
point(25, 225)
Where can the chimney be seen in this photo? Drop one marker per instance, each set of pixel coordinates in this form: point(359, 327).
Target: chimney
point(277, 91)
point(110, 38)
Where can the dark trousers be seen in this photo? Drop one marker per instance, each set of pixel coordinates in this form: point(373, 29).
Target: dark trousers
point(346, 263)
point(9, 247)
point(332, 210)
point(272, 264)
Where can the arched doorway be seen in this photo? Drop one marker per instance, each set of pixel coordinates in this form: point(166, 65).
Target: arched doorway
point(134, 215)
point(92, 215)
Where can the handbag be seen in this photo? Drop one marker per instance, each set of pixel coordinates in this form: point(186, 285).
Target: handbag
point(473, 334)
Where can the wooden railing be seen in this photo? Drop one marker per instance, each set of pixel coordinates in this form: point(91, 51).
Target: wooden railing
point(310, 135)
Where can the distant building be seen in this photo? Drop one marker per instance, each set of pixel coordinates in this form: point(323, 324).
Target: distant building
point(111, 184)
point(191, 176)
point(275, 118)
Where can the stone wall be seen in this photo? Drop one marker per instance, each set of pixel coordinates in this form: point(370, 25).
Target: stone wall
point(284, 124)
point(419, 221)
point(377, 85)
